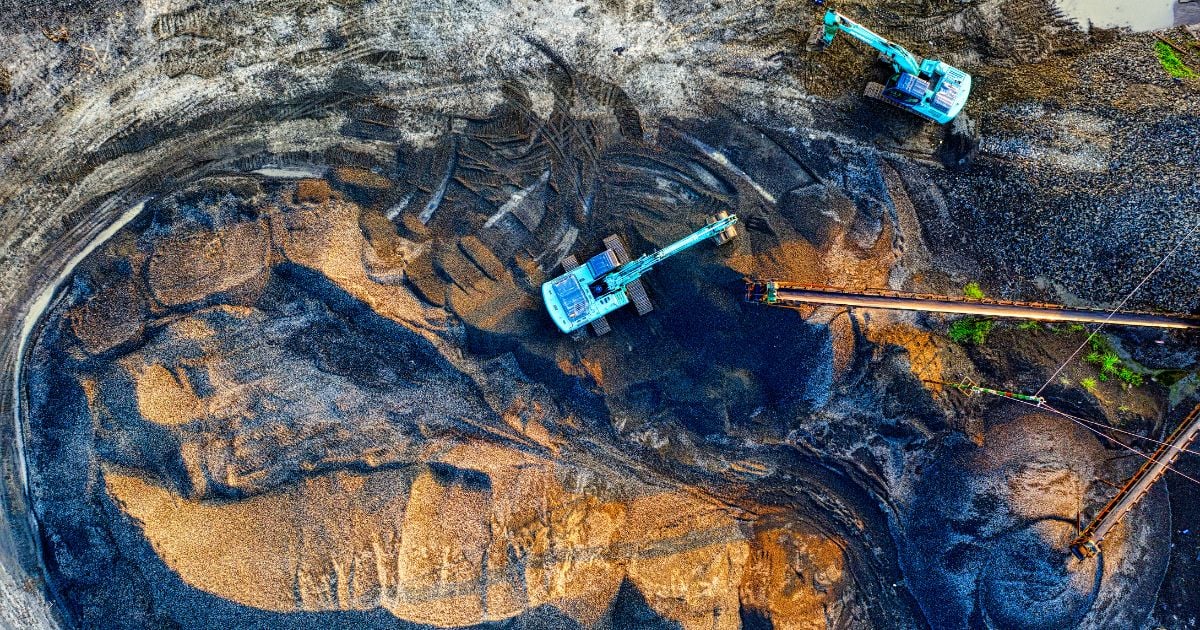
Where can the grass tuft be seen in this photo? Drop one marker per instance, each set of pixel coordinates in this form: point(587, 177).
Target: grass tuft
point(973, 291)
point(1172, 63)
point(1105, 358)
point(969, 330)
point(1069, 329)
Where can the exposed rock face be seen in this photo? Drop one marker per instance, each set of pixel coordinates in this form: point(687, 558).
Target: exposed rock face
point(453, 546)
point(113, 315)
point(796, 578)
point(293, 428)
point(201, 264)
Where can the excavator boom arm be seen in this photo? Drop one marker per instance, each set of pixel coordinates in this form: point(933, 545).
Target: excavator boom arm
point(900, 58)
point(620, 277)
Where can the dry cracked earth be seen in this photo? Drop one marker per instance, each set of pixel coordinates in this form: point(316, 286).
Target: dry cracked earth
point(277, 357)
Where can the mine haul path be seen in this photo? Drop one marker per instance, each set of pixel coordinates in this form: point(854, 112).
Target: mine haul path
point(789, 294)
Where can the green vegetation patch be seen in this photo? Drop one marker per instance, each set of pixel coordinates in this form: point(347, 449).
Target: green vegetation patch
point(1105, 358)
point(973, 291)
point(969, 330)
point(1172, 63)
point(1088, 383)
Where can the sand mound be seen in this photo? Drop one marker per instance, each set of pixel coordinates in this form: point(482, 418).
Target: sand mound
point(989, 529)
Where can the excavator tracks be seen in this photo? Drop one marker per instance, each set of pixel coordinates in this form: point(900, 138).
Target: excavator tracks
point(635, 290)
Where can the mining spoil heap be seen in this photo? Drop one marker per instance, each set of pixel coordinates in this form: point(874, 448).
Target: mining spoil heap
point(277, 357)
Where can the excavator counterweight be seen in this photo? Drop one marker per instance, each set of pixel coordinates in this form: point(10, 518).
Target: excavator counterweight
point(931, 89)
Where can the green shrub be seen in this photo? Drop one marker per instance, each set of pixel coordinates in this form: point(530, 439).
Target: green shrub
point(1088, 383)
point(973, 291)
point(1029, 325)
point(1105, 358)
point(969, 330)
point(1129, 377)
point(1069, 329)
point(1106, 361)
point(1171, 62)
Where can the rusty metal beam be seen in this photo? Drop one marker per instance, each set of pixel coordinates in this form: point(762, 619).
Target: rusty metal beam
point(1087, 544)
point(787, 294)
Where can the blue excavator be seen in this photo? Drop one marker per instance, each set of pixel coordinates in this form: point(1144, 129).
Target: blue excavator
point(933, 90)
point(609, 280)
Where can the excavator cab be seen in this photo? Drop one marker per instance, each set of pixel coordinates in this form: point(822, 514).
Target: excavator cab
point(599, 266)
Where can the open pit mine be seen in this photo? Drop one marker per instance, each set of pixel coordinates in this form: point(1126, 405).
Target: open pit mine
point(613, 314)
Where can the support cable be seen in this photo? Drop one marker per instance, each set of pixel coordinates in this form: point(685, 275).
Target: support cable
point(1038, 401)
point(1124, 445)
point(1083, 345)
point(1132, 434)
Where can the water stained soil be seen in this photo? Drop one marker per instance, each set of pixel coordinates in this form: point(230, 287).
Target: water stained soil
point(1139, 16)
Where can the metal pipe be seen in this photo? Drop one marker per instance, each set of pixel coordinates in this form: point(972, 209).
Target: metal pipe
point(790, 294)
